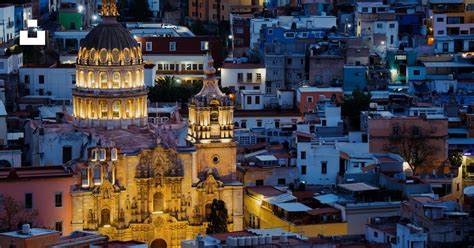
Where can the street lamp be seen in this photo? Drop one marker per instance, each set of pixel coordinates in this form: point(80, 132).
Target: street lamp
point(80, 8)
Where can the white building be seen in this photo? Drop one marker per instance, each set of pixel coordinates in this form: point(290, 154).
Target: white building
point(265, 119)
point(56, 81)
point(410, 236)
point(7, 23)
point(318, 163)
point(243, 76)
point(10, 62)
point(251, 100)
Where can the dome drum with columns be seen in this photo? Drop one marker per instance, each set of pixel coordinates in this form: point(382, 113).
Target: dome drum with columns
point(110, 90)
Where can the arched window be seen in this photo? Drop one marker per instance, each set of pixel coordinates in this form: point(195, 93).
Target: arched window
point(128, 80)
point(102, 155)
point(103, 80)
point(138, 79)
point(81, 80)
point(128, 109)
point(97, 176)
point(116, 110)
point(116, 80)
point(158, 202)
point(85, 177)
point(91, 80)
point(113, 154)
point(94, 155)
point(103, 110)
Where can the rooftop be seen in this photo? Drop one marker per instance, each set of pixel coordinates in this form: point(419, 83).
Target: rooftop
point(33, 233)
point(357, 187)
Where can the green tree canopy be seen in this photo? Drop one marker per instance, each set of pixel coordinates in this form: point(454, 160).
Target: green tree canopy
point(171, 89)
point(217, 218)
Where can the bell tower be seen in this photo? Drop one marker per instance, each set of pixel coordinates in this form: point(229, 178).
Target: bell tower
point(211, 128)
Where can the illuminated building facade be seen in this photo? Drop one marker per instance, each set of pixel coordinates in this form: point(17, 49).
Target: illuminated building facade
point(110, 90)
point(145, 184)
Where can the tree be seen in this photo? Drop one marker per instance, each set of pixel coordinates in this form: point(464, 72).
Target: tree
point(171, 89)
point(198, 28)
point(413, 144)
point(140, 10)
point(455, 159)
point(353, 104)
point(218, 218)
point(12, 214)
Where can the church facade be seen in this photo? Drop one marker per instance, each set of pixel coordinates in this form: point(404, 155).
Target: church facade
point(162, 192)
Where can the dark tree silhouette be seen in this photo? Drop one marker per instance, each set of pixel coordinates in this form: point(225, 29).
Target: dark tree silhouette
point(171, 89)
point(353, 104)
point(140, 10)
point(217, 218)
point(12, 213)
point(412, 143)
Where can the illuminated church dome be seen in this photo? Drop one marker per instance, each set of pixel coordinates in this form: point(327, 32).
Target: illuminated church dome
point(110, 89)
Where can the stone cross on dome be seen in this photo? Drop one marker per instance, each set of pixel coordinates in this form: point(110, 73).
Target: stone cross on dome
point(109, 8)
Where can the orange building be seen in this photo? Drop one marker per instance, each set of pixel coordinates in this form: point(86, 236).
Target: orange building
point(394, 134)
point(307, 98)
point(44, 189)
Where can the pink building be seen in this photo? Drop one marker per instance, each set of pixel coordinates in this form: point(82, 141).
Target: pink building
point(44, 189)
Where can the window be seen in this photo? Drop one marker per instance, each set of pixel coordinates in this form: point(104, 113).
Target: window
point(240, 77)
point(204, 45)
point(256, 87)
point(257, 99)
point(277, 123)
point(2, 65)
point(289, 35)
point(309, 99)
point(41, 79)
point(270, 31)
point(379, 25)
point(415, 131)
point(288, 61)
point(58, 200)
point(391, 39)
point(67, 154)
point(259, 77)
point(281, 181)
point(324, 167)
point(303, 170)
point(303, 154)
point(73, 78)
point(304, 34)
point(139, 44)
point(249, 77)
point(259, 182)
point(249, 99)
point(440, 19)
point(365, 10)
point(416, 72)
point(41, 92)
point(85, 177)
point(27, 79)
point(29, 200)
point(239, 30)
point(392, 25)
point(396, 130)
point(440, 32)
point(149, 46)
point(243, 124)
point(172, 46)
point(259, 123)
point(97, 177)
point(58, 226)
point(376, 234)
point(275, 72)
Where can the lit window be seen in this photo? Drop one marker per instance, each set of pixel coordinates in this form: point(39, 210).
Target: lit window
point(116, 110)
point(102, 155)
point(116, 80)
point(113, 154)
point(97, 179)
point(103, 80)
point(172, 46)
point(85, 177)
point(149, 46)
point(204, 45)
point(103, 110)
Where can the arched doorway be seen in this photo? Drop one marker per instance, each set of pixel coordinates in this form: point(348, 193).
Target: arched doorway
point(105, 217)
point(158, 243)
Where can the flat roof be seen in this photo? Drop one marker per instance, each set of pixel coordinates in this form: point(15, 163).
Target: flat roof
point(328, 198)
point(265, 158)
point(293, 207)
point(318, 89)
point(357, 187)
point(33, 232)
point(447, 64)
point(267, 191)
